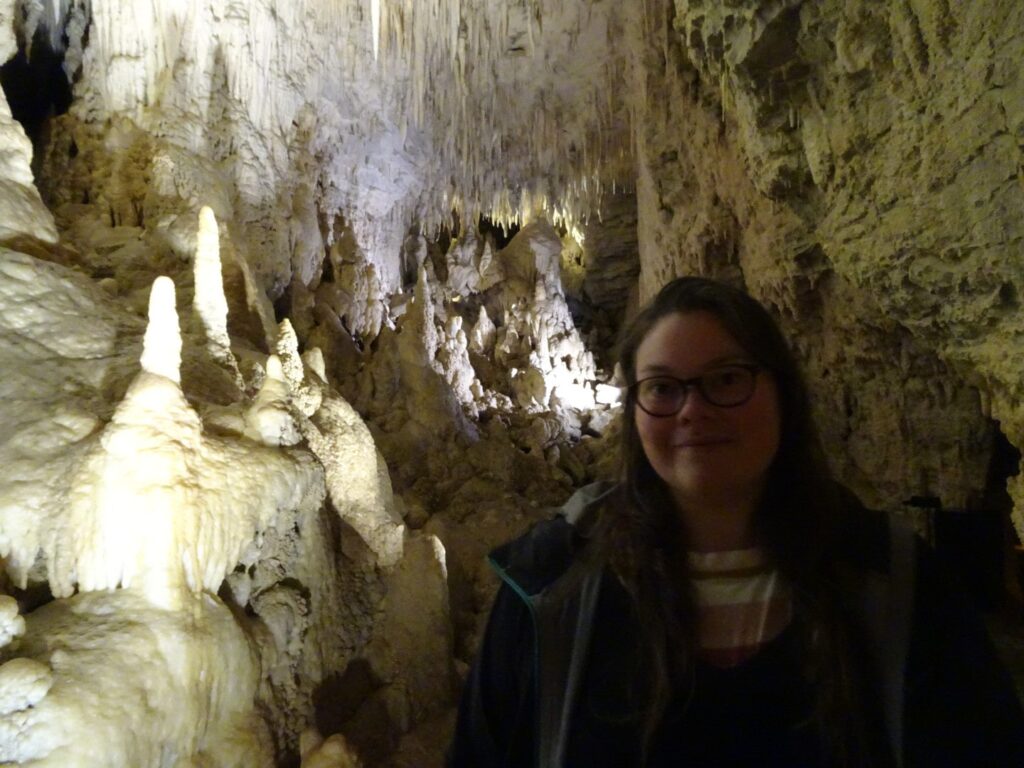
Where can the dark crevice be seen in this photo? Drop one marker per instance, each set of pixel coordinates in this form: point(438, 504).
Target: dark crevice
point(978, 544)
point(502, 235)
point(36, 85)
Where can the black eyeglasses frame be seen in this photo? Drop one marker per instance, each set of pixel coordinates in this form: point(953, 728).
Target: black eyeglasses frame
point(695, 382)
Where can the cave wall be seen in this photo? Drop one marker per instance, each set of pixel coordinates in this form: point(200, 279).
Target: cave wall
point(856, 166)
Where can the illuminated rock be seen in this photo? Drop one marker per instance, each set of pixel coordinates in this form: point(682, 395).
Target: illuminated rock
point(22, 212)
point(11, 624)
point(357, 477)
point(209, 302)
point(23, 684)
point(333, 752)
point(161, 346)
point(483, 333)
point(90, 706)
point(269, 419)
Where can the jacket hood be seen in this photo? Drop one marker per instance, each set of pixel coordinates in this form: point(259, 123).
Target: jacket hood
point(540, 556)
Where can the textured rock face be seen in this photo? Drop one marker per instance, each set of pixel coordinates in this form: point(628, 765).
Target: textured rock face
point(327, 486)
point(22, 213)
point(600, 266)
point(856, 166)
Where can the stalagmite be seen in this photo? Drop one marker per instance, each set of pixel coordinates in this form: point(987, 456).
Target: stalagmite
point(209, 302)
point(137, 508)
point(305, 397)
point(269, 419)
point(483, 333)
point(161, 347)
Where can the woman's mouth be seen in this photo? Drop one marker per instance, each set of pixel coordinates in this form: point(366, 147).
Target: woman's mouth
point(701, 442)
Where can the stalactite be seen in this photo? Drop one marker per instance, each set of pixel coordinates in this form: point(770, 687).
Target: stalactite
point(461, 76)
point(375, 25)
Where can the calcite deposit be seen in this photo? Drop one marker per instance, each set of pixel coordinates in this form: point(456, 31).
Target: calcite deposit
point(305, 306)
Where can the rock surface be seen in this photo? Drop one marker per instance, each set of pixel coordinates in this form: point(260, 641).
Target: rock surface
point(248, 301)
point(854, 166)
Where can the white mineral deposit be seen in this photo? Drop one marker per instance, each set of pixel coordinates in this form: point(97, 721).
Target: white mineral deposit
point(305, 306)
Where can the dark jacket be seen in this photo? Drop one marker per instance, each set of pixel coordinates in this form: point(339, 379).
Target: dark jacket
point(941, 697)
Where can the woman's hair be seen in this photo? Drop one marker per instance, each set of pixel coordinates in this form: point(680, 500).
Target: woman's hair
point(645, 544)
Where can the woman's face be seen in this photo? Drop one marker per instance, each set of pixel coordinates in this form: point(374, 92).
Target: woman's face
point(706, 454)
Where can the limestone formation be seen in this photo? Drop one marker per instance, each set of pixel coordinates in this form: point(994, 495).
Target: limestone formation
point(306, 306)
point(22, 213)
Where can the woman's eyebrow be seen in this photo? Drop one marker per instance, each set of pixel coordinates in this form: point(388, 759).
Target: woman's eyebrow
point(657, 368)
point(739, 357)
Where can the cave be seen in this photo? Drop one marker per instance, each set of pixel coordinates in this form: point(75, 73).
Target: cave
point(307, 306)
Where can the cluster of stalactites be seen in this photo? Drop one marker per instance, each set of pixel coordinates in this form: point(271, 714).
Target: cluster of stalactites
point(514, 104)
point(50, 15)
point(520, 123)
point(570, 211)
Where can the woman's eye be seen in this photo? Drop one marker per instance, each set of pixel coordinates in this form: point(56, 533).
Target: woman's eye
point(662, 388)
point(726, 378)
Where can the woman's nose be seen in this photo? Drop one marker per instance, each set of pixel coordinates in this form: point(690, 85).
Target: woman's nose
point(694, 403)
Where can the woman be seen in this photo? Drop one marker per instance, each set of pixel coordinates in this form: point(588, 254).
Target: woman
point(726, 603)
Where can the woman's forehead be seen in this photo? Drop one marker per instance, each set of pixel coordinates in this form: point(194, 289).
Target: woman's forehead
point(690, 340)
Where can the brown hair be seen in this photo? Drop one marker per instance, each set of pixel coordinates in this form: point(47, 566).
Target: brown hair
point(645, 546)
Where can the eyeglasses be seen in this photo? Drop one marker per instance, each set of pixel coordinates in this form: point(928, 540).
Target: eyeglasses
point(726, 387)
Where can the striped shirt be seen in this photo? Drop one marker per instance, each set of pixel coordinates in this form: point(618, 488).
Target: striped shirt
point(742, 603)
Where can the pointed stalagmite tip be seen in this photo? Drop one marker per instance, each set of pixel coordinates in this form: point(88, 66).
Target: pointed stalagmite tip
point(287, 341)
point(209, 301)
point(161, 346)
point(275, 370)
point(287, 349)
point(314, 359)
point(208, 238)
